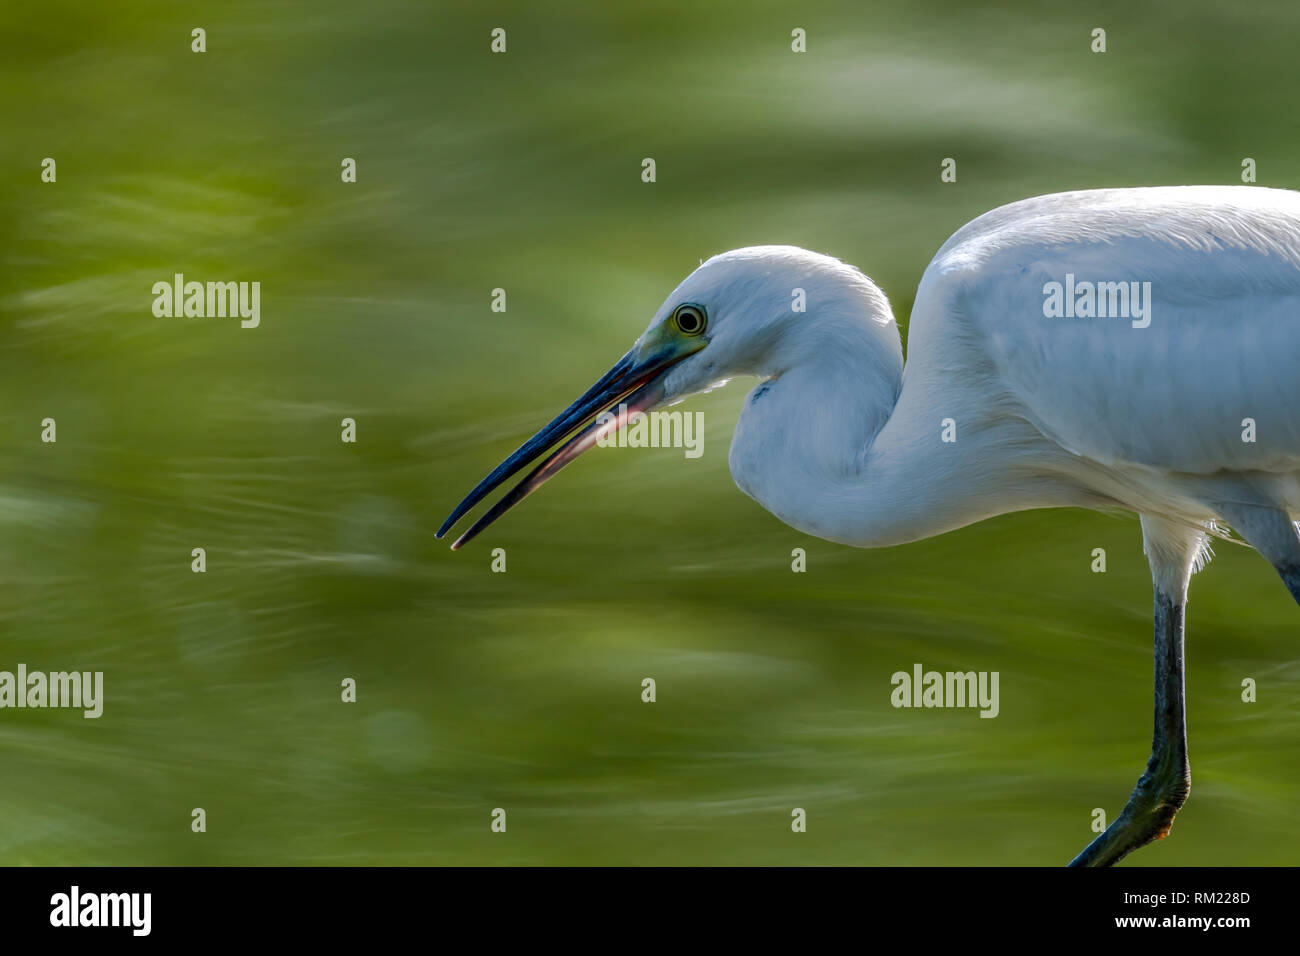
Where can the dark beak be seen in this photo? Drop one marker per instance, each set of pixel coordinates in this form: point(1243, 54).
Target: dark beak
point(634, 385)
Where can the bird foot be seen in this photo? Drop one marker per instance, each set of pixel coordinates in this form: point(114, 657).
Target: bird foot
point(1148, 816)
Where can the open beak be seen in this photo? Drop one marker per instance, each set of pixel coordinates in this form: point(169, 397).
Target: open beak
point(634, 384)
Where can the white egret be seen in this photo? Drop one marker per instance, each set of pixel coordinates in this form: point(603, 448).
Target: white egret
point(1116, 348)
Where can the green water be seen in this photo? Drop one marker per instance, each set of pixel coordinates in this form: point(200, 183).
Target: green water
point(522, 690)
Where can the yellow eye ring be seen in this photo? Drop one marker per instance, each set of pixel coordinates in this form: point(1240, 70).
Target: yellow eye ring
point(689, 319)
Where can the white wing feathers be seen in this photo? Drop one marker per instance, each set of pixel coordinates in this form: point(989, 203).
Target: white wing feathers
point(1207, 336)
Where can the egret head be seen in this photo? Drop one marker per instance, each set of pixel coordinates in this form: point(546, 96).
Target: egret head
point(738, 314)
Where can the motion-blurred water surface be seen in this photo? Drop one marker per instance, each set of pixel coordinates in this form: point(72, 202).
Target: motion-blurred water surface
point(521, 690)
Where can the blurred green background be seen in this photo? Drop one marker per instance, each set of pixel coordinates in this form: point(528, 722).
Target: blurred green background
point(522, 690)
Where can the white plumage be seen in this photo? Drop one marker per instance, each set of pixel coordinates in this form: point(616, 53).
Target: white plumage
point(1184, 408)
point(1046, 411)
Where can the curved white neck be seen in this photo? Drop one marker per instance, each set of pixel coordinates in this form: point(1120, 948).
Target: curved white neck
point(839, 447)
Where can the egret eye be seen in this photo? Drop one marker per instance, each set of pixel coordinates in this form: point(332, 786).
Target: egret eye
point(689, 319)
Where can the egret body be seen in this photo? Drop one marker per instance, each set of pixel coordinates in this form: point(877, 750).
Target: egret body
point(1174, 393)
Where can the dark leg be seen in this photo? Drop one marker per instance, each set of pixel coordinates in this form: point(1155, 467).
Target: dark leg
point(1291, 578)
point(1272, 533)
point(1163, 789)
